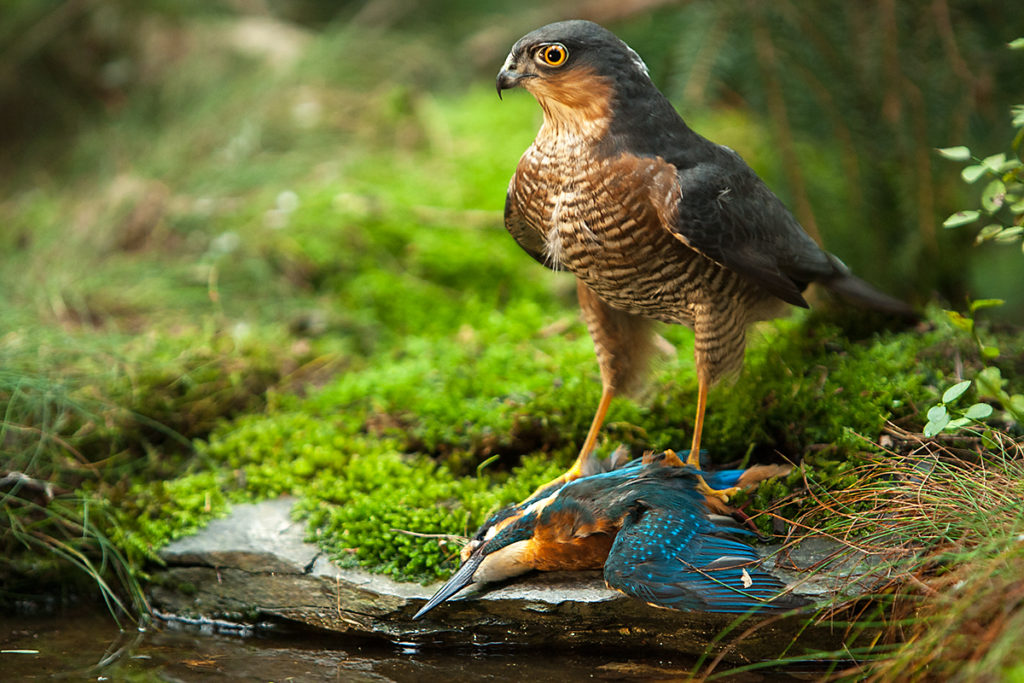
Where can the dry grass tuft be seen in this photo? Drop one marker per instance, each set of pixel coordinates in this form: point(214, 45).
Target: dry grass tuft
point(946, 519)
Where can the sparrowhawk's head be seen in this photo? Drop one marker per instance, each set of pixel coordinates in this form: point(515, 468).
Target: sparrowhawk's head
point(573, 68)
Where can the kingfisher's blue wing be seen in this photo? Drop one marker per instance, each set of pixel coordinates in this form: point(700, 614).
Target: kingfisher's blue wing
point(679, 559)
point(722, 479)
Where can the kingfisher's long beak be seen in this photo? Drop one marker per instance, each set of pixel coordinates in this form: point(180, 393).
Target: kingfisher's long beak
point(459, 580)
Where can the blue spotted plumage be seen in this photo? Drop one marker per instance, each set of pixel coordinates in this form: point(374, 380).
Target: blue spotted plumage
point(645, 523)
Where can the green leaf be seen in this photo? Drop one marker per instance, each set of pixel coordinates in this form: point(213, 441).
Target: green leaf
point(994, 162)
point(979, 304)
point(1010, 234)
point(938, 414)
point(990, 352)
point(934, 427)
point(972, 173)
point(1016, 406)
point(961, 218)
point(1016, 44)
point(993, 196)
point(960, 153)
point(978, 411)
point(988, 232)
point(961, 322)
point(956, 424)
point(953, 393)
point(1017, 207)
point(990, 383)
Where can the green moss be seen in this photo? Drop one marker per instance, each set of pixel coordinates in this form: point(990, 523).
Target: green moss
point(360, 514)
point(151, 514)
point(358, 492)
point(393, 445)
point(805, 383)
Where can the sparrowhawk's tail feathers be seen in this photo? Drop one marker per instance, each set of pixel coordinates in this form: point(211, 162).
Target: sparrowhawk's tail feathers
point(857, 291)
point(720, 208)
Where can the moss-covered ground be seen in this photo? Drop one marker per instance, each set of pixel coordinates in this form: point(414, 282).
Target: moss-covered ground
point(263, 278)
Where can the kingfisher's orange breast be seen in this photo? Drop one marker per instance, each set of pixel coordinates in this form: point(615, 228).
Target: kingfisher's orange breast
point(565, 542)
point(585, 553)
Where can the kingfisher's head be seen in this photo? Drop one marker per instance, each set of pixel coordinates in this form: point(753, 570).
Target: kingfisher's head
point(521, 537)
point(500, 550)
point(575, 69)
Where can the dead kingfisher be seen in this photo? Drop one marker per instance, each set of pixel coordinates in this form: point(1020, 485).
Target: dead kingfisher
point(646, 523)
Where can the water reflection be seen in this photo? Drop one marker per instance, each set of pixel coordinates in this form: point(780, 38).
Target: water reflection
point(90, 646)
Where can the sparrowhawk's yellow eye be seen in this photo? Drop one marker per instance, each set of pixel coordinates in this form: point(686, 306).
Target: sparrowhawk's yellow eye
point(554, 54)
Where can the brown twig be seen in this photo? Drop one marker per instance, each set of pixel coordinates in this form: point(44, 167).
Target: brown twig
point(446, 537)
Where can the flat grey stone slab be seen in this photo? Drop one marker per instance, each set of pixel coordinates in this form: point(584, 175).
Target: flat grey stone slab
point(259, 537)
point(254, 565)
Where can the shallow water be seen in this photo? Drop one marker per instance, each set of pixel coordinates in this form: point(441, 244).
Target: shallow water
point(88, 645)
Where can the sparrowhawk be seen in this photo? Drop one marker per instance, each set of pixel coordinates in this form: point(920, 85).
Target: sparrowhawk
point(656, 222)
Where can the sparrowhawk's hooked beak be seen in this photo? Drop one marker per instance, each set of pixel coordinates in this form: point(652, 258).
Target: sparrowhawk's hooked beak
point(509, 77)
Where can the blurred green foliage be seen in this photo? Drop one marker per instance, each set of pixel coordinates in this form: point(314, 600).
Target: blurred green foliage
point(872, 87)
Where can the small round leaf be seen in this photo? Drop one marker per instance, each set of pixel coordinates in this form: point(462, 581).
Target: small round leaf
point(1010, 234)
point(934, 427)
point(993, 196)
point(954, 392)
point(988, 232)
point(961, 218)
point(972, 173)
point(990, 381)
point(1016, 404)
point(956, 424)
point(959, 153)
point(978, 411)
point(995, 162)
point(960, 321)
point(979, 304)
